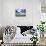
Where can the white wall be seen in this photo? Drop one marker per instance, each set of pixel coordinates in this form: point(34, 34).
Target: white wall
point(0, 12)
point(32, 12)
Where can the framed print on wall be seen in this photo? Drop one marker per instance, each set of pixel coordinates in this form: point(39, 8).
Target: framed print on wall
point(20, 12)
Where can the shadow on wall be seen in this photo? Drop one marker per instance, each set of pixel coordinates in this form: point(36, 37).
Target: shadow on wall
point(1, 33)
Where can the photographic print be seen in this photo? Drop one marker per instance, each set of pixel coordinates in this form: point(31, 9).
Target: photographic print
point(20, 12)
